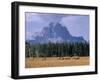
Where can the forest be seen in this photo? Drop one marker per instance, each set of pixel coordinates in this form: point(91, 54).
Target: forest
point(57, 49)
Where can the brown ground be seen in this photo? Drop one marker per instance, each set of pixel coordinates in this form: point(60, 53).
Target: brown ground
point(55, 61)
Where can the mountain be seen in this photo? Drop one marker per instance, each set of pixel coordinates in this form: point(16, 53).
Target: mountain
point(55, 33)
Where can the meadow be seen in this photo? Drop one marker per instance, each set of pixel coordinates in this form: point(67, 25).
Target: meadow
point(55, 61)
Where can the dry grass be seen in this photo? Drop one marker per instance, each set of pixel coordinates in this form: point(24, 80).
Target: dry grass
point(54, 62)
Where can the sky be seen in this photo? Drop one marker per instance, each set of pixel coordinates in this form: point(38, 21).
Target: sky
point(77, 25)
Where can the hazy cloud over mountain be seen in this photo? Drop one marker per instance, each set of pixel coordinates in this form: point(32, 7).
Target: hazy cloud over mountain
point(77, 25)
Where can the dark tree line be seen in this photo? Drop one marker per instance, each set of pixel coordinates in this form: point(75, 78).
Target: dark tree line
point(57, 49)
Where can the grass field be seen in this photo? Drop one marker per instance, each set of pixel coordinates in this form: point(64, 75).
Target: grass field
point(55, 62)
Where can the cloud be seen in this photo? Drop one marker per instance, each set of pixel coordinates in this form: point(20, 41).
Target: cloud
point(33, 23)
point(78, 25)
point(33, 17)
point(48, 17)
point(28, 35)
